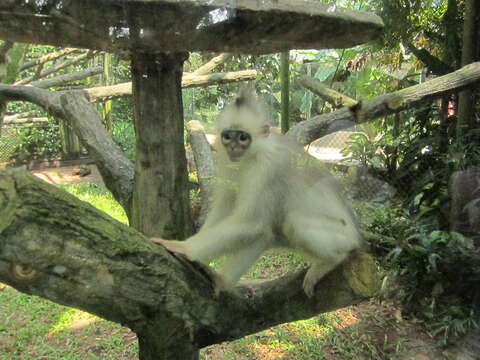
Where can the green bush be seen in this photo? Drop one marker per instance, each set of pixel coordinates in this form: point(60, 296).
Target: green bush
point(436, 273)
point(37, 142)
point(124, 136)
point(440, 274)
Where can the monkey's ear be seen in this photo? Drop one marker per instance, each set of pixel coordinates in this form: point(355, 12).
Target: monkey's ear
point(265, 131)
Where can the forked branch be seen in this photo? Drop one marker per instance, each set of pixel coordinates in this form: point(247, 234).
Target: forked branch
point(58, 247)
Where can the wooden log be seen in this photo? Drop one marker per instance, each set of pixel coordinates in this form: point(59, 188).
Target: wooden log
point(329, 95)
point(125, 89)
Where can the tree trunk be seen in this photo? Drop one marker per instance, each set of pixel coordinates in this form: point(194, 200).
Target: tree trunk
point(466, 99)
point(284, 79)
point(160, 197)
point(107, 103)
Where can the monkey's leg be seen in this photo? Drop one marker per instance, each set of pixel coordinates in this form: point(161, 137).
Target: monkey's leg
point(314, 274)
point(327, 240)
point(240, 261)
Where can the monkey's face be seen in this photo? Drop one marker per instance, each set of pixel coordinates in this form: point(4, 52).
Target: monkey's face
point(236, 143)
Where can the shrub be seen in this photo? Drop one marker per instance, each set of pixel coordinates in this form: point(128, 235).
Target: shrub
point(437, 272)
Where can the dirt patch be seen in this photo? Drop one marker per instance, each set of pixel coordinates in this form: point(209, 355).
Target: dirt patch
point(67, 175)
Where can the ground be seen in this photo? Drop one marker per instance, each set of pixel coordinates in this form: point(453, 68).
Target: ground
point(34, 328)
point(64, 175)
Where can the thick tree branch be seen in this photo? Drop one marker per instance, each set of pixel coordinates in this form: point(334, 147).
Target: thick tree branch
point(434, 64)
point(212, 64)
point(116, 169)
point(307, 131)
point(202, 154)
point(125, 89)
point(67, 78)
point(55, 246)
point(329, 95)
point(72, 106)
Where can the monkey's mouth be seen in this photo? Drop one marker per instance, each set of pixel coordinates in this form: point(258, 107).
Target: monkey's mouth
point(235, 157)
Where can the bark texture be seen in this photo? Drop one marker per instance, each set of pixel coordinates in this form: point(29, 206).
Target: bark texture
point(466, 99)
point(202, 154)
point(160, 196)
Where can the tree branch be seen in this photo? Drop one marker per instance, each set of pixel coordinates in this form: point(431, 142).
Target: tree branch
point(57, 67)
point(67, 78)
point(329, 95)
point(47, 57)
point(212, 64)
point(116, 169)
point(58, 247)
point(202, 154)
point(434, 64)
point(307, 131)
point(125, 89)
point(30, 120)
point(72, 106)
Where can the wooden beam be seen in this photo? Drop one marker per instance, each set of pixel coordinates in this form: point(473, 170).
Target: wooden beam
point(240, 26)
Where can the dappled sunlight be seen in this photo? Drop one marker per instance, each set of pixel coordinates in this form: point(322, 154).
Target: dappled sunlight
point(268, 351)
point(72, 319)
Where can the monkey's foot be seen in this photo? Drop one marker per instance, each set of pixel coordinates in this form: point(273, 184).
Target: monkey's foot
point(314, 274)
point(177, 247)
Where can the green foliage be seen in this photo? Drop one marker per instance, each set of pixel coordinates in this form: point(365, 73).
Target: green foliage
point(38, 141)
point(438, 271)
point(363, 149)
point(14, 61)
point(124, 136)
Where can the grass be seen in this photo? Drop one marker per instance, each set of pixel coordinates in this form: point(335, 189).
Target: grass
point(35, 328)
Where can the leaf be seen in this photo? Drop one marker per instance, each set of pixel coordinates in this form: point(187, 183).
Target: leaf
point(324, 73)
point(432, 260)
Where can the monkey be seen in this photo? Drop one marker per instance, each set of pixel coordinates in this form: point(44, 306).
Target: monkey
point(268, 192)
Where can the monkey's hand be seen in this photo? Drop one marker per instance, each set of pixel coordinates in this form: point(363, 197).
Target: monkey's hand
point(177, 247)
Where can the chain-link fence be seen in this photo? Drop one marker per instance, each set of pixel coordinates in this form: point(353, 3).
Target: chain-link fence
point(9, 140)
point(28, 140)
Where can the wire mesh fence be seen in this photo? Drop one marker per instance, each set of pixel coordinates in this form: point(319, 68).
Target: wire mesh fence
point(9, 140)
point(36, 135)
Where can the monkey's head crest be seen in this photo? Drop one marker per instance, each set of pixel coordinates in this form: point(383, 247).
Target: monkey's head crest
point(246, 112)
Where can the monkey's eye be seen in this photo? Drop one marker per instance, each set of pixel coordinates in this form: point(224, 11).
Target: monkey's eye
point(244, 137)
point(226, 136)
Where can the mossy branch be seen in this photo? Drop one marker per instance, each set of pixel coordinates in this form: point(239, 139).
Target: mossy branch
point(60, 248)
